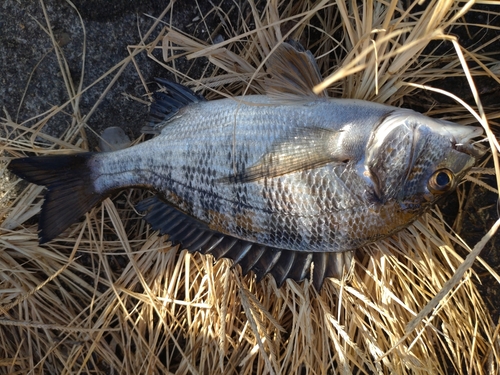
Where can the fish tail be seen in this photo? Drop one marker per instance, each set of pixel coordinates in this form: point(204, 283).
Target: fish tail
point(70, 189)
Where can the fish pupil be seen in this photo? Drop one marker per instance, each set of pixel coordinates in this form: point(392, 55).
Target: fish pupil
point(442, 179)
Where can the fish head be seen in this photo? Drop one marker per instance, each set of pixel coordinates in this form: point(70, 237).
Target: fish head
point(416, 160)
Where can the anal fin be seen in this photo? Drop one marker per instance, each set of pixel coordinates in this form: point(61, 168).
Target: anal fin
point(262, 260)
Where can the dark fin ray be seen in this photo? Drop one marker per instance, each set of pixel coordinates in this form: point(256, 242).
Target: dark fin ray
point(294, 73)
point(160, 215)
point(180, 93)
point(302, 149)
point(177, 228)
point(251, 258)
point(167, 104)
point(281, 269)
point(180, 235)
point(301, 267)
point(239, 251)
point(70, 190)
point(266, 262)
point(224, 247)
point(181, 228)
point(197, 243)
point(330, 265)
point(338, 264)
point(262, 260)
point(319, 271)
point(211, 244)
point(198, 239)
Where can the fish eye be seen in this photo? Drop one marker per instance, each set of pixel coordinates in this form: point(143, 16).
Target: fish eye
point(441, 181)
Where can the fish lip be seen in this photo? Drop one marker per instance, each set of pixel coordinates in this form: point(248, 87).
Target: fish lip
point(475, 150)
point(460, 136)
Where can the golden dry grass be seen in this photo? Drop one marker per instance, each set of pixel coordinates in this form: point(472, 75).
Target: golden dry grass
point(110, 296)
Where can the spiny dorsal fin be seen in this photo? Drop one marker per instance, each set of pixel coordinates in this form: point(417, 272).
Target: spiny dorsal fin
point(168, 103)
point(294, 73)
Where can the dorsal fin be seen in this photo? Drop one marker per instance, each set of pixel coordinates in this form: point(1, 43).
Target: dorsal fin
point(167, 104)
point(294, 73)
point(262, 260)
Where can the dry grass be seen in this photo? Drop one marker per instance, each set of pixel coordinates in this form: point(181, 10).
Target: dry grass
point(112, 297)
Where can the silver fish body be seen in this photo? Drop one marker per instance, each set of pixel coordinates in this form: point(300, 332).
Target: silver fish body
point(338, 206)
point(274, 182)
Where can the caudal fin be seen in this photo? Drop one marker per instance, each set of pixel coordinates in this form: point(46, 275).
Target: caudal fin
point(70, 190)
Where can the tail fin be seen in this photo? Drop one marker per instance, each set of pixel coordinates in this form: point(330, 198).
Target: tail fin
point(70, 190)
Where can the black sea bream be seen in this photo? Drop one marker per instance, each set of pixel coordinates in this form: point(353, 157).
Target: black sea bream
point(276, 182)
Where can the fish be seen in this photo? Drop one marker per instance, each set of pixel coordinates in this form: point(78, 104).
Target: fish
point(288, 183)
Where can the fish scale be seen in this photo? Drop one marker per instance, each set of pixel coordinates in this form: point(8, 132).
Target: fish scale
point(290, 211)
point(285, 183)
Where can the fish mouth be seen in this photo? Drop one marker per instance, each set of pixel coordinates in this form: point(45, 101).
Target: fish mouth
point(475, 150)
point(461, 137)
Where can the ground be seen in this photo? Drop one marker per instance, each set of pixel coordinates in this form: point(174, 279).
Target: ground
point(31, 83)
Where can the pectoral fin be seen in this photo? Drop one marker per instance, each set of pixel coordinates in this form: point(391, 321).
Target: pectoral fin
point(303, 149)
